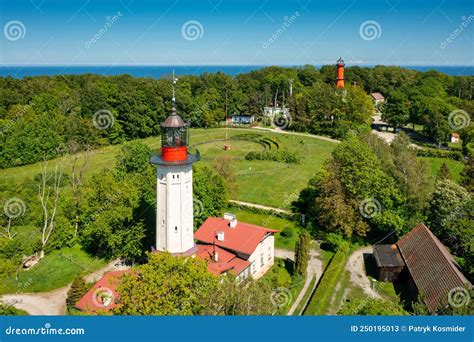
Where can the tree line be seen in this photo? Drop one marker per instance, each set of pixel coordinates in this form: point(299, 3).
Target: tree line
point(48, 116)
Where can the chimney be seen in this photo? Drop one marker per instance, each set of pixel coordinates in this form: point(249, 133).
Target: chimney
point(232, 218)
point(220, 236)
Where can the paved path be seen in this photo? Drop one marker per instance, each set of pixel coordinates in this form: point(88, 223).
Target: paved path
point(52, 302)
point(315, 269)
point(259, 206)
point(281, 131)
point(356, 267)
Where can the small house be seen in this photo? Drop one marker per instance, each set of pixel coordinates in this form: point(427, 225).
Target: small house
point(377, 98)
point(389, 262)
point(455, 138)
point(242, 119)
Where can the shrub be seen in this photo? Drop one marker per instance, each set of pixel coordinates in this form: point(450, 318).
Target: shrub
point(77, 290)
point(455, 155)
point(9, 310)
point(288, 232)
point(285, 156)
point(335, 242)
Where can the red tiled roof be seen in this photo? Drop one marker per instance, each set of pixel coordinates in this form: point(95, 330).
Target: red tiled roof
point(432, 268)
point(244, 238)
point(227, 261)
point(377, 96)
point(105, 287)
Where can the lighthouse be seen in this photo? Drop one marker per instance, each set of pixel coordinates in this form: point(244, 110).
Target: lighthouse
point(340, 74)
point(174, 188)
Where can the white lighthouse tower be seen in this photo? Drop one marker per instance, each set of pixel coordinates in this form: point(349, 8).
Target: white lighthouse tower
point(174, 188)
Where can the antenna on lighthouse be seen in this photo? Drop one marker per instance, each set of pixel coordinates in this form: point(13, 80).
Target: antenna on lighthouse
point(174, 80)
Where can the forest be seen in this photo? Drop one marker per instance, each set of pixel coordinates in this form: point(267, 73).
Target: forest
point(45, 117)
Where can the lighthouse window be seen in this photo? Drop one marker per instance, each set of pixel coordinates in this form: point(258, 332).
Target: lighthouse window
point(177, 176)
point(173, 176)
point(175, 228)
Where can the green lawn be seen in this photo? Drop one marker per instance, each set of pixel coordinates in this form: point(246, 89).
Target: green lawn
point(56, 270)
point(434, 164)
point(263, 182)
point(269, 221)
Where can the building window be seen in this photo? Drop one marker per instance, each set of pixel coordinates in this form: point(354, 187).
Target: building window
point(269, 252)
point(253, 267)
point(261, 260)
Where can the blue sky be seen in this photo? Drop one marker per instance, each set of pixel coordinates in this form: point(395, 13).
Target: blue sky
point(236, 32)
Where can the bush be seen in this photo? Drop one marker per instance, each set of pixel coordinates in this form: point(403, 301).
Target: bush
point(9, 310)
point(335, 242)
point(285, 156)
point(77, 290)
point(288, 232)
point(455, 155)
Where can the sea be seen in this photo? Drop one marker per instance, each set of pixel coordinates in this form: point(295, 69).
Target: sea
point(166, 71)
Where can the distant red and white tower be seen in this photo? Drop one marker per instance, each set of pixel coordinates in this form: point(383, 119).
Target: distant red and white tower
point(174, 188)
point(340, 74)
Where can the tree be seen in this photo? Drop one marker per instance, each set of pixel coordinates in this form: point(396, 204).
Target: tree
point(302, 254)
point(111, 228)
point(467, 174)
point(444, 173)
point(223, 165)
point(167, 285)
point(49, 205)
point(210, 194)
point(76, 291)
point(249, 297)
point(372, 307)
point(396, 110)
point(446, 200)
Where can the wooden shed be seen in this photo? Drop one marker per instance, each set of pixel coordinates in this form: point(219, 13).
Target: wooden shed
point(389, 262)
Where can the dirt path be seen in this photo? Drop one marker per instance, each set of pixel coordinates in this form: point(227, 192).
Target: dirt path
point(356, 267)
point(315, 269)
point(52, 302)
point(259, 206)
point(281, 131)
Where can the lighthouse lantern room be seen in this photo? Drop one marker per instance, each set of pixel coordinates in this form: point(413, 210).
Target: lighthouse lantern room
point(174, 186)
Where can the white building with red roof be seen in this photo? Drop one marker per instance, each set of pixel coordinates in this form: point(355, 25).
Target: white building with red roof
point(240, 248)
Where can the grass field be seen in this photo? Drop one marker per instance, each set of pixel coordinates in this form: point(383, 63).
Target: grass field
point(434, 164)
point(270, 221)
point(56, 270)
point(263, 182)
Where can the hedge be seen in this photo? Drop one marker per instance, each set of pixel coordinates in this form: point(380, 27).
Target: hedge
point(321, 298)
point(284, 156)
point(455, 155)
